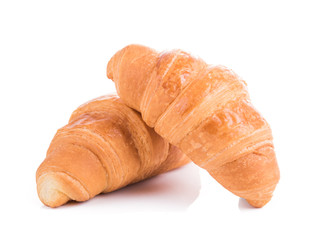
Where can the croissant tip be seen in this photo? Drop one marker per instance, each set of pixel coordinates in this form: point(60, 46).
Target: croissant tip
point(258, 203)
point(47, 189)
point(109, 71)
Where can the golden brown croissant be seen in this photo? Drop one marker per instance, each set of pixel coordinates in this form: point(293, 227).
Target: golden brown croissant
point(105, 146)
point(205, 111)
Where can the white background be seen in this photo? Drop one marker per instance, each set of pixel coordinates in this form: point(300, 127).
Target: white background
point(53, 57)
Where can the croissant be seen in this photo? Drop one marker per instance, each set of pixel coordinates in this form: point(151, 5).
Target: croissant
point(104, 147)
point(205, 111)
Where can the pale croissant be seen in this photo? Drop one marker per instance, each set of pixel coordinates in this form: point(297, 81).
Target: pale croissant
point(104, 147)
point(205, 111)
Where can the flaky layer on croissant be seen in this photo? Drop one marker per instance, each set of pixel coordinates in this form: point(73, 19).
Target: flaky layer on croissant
point(104, 147)
point(205, 111)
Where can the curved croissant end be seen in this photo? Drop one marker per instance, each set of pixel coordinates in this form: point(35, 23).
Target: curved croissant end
point(51, 192)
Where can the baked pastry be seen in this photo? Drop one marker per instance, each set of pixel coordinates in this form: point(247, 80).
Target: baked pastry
point(205, 111)
point(104, 147)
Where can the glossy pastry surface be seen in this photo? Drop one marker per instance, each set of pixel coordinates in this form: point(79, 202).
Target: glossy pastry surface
point(104, 147)
point(204, 110)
